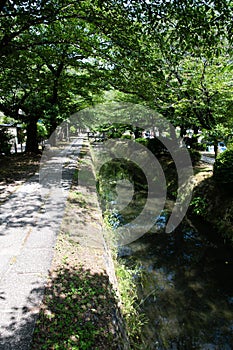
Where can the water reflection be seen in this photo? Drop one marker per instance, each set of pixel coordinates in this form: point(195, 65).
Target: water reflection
point(185, 286)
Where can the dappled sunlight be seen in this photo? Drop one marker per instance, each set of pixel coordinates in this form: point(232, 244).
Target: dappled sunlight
point(18, 312)
point(78, 311)
point(14, 171)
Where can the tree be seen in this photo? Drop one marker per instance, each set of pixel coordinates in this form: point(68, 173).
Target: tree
point(148, 50)
point(52, 80)
point(5, 138)
point(21, 20)
point(181, 61)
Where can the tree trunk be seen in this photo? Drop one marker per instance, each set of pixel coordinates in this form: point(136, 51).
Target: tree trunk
point(215, 149)
point(52, 131)
point(32, 141)
point(195, 137)
point(182, 131)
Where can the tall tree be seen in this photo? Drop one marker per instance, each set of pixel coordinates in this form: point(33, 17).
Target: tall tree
point(143, 48)
point(60, 55)
point(178, 62)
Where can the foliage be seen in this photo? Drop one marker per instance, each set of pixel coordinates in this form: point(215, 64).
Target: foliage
point(200, 146)
point(195, 155)
point(5, 138)
point(143, 141)
point(130, 304)
point(58, 56)
point(225, 223)
point(114, 130)
point(218, 134)
point(72, 130)
point(154, 145)
point(76, 304)
point(49, 76)
point(223, 168)
point(188, 83)
point(112, 219)
point(198, 206)
point(41, 132)
point(230, 144)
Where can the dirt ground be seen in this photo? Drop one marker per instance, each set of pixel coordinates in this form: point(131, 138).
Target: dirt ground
point(15, 170)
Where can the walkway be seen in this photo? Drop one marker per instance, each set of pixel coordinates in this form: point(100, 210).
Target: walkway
point(207, 157)
point(29, 222)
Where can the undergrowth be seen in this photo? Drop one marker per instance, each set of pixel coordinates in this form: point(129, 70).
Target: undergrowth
point(76, 312)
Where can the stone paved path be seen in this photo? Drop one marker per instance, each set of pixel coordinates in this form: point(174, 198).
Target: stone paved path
point(29, 223)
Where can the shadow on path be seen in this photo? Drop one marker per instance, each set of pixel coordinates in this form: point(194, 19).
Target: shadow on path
point(77, 312)
point(30, 221)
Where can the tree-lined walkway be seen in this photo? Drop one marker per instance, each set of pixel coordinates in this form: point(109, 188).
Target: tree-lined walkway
point(30, 220)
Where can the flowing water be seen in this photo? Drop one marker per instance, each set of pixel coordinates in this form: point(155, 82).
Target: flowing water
point(184, 279)
point(185, 286)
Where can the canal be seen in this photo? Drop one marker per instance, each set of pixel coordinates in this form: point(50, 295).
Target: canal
point(185, 288)
point(184, 279)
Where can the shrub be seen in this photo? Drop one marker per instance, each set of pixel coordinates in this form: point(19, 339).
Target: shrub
point(114, 134)
point(194, 155)
point(230, 145)
point(154, 145)
point(126, 137)
point(200, 146)
point(142, 141)
point(5, 145)
point(73, 130)
point(223, 168)
point(199, 205)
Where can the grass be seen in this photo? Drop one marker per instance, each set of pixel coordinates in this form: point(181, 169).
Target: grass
point(78, 198)
point(133, 316)
point(78, 306)
point(134, 319)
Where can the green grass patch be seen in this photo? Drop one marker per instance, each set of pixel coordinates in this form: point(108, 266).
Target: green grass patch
point(133, 316)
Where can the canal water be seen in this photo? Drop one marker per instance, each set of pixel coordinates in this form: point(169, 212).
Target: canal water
point(184, 278)
point(185, 285)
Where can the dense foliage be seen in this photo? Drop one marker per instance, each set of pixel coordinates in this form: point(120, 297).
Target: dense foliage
point(154, 145)
point(58, 57)
point(5, 137)
point(195, 156)
point(223, 168)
